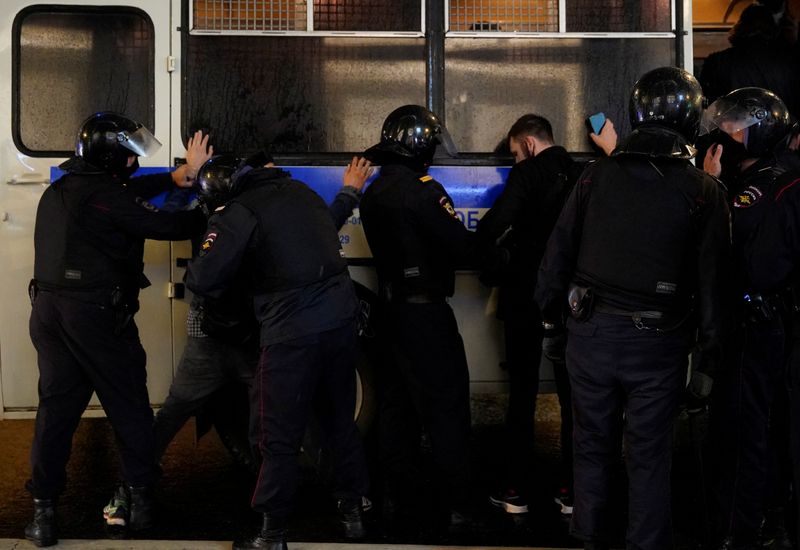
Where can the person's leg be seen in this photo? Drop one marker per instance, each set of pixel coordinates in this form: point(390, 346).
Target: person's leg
point(555, 351)
point(523, 343)
point(741, 428)
point(201, 372)
point(337, 395)
point(434, 366)
point(64, 393)
point(286, 377)
point(597, 402)
point(653, 372)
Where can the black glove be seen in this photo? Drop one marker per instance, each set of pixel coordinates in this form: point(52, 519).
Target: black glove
point(553, 330)
point(555, 348)
point(698, 391)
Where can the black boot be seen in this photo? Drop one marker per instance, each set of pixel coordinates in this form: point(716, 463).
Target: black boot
point(351, 518)
point(141, 500)
point(272, 536)
point(43, 530)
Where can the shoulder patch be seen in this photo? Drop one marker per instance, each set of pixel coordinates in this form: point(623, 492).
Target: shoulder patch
point(208, 242)
point(425, 178)
point(146, 205)
point(445, 203)
point(748, 197)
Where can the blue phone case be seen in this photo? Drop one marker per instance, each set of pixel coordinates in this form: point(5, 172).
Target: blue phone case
point(597, 121)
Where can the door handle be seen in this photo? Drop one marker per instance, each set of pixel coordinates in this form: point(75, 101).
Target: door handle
point(28, 179)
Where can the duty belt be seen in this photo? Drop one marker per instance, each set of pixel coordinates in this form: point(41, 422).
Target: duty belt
point(640, 318)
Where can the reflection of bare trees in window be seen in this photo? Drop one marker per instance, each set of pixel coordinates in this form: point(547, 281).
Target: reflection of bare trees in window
point(253, 99)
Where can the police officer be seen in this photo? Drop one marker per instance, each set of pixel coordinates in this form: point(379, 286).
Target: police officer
point(417, 241)
point(635, 256)
point(89, 240)
point(744, 402)
point(527, 209)
point(223, 333)
point(776, 243)
point(277, 237)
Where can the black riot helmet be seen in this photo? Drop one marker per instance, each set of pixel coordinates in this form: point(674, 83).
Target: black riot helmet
point(106, 140)
point(220, 178)
point(411, 132)
point(668, 97)
point(757, 111)
point(215, 180)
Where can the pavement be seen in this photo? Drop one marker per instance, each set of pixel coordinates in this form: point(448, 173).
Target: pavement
point(204, 495)
point(11, 544)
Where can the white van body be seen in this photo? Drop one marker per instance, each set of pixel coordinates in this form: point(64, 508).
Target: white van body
point(161, 320)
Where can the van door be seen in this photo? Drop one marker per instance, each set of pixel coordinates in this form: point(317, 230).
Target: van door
point(61, 62)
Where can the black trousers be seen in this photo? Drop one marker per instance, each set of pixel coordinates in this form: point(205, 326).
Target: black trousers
point(424, 385)
point(293, 378)
point(740, 427)
point(78, 353)
point(207, 364)
point(626, 386)
point(523, 345)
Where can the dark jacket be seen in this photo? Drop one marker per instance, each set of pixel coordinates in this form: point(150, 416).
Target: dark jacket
point(752, 64)
point(528, 208)
point(645, 234)
point(280, 236)
point(771, 252)
point(90, 230)
point(415, 236)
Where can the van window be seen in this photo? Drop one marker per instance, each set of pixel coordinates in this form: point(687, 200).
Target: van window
point(489, 84)
point(70, 62)
point(619, 15)
point(542, 16)
point(298, 94)
point(305, 17)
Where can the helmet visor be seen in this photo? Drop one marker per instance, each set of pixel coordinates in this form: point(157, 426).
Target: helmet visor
point(730, 116)
point(447, 142)
point(140, 142)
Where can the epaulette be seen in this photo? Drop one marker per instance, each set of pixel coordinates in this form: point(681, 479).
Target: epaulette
point(425, 178)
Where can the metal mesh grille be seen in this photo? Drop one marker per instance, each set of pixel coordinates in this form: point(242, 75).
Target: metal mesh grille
point(618, 16)
point(250, 15)
point(504, 15)
point(368, 15)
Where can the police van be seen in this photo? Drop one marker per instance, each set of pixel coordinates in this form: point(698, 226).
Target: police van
point(312, 81)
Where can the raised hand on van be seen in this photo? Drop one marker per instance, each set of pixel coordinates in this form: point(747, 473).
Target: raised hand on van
point(198, 151)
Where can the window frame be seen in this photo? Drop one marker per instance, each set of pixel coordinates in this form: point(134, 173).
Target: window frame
point(310, 31)
point(562, 29)
point(16, 65)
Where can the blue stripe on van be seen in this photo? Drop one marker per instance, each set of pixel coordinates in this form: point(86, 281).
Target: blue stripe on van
point(469, 186)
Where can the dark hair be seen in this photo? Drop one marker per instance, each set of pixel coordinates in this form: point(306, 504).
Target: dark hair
point(756, 24)
point(532, 125)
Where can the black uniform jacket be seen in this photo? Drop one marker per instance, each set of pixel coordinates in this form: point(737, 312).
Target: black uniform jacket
point(90, 230)
point(280, 237)
point(772, 252)
point(415, 236)
point(645, 234)
point(529, 205)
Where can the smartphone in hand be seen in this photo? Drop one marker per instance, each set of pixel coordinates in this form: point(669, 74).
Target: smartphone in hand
point(596, 122)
